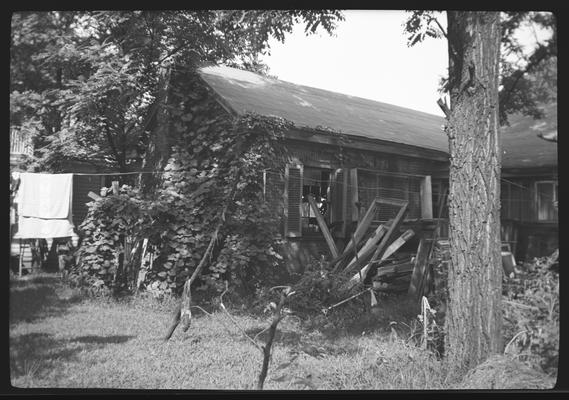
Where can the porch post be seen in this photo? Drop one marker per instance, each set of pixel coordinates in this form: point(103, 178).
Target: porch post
point(426, 198)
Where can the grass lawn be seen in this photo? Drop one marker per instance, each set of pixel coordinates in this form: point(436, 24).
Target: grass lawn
point(59, 339)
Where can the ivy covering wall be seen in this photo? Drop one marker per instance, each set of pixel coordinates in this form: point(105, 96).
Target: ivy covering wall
point(216, 158)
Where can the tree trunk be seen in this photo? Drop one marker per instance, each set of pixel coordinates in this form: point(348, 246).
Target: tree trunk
point(475, 275)
point(158, 147)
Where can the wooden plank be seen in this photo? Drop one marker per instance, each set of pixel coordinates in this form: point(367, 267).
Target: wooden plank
point(368, 248)
point(345, 203)
point(417, 287)
point(400, 268)
point(361, 143)
point(323, 227)
point(362, 226)
point(389, 251)
point(419, 268)
point(393, 202)
point(426, 194)
point(393, 247)
point(94, 196)
point(393, 228)
point(354, 198)
point(115, 185)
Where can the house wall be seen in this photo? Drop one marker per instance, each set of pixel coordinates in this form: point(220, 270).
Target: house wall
point(369, 174)
point(524, 228)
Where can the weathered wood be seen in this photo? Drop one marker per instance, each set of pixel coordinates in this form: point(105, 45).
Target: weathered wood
point(393, 228)
point(354, 198)
point(277, 316)
point(367, 250)
point(183, 313)
point(362, 143)
point(345, 203)
point(400, 268)
point(115, 186)
point(393, 247)
point(362, 226)
point(426, 194)
point(393, 202)
point(323, 227)
point(421, 260)
point(293, 205)
point(94, 196)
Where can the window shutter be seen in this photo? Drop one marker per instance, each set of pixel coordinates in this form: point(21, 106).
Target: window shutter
point(293, 200)
point(273, 191)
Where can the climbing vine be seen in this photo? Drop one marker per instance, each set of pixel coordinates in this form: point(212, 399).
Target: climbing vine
point(197, 180)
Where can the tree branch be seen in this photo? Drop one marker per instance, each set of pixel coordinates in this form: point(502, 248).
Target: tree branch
point(440, 27)
point(537, 57)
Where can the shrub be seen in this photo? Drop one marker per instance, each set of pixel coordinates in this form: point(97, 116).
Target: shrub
point(531, 315)
point(216, 165)
point(103, 230)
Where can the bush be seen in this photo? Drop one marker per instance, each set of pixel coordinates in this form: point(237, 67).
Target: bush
point(103, 230)
point(216, 165)
point(531, 315)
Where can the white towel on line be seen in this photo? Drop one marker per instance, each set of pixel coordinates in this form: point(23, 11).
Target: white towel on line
point(45, 196)
point(44, 206)
point(39, 228)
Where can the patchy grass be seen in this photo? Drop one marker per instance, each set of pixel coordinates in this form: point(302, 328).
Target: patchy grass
point(59, 339)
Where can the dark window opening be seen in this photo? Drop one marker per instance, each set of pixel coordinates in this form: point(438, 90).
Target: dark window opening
point(316, 182)
point(547, 201)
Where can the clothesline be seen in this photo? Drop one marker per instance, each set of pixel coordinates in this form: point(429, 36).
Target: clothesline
point(270, 172)
point(118, 173)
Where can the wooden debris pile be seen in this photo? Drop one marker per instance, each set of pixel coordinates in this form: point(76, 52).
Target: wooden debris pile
point(371, 256)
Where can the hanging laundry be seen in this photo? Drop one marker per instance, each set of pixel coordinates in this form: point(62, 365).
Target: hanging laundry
point(44, 206)
point(45, 195)
point(39, 228)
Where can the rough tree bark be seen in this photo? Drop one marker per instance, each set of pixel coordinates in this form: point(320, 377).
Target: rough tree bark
point(475, 275)
point(158, 147)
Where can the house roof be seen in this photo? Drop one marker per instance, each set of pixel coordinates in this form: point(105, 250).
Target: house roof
point(245, 91)
point(309, 107)
point(521, 146)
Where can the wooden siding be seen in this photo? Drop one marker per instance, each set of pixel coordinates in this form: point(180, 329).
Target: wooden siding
point(519, 200)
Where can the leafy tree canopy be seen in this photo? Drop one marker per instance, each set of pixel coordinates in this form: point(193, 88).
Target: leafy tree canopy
point(85, 85)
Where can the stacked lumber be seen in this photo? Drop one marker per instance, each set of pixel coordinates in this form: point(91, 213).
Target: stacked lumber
point(367, 252)
point(372, 256)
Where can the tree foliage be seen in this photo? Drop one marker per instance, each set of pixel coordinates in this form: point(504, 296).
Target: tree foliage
point(86, 85)
point(528, 77)
point(198, 178)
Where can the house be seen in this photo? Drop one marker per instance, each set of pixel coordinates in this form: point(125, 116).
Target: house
point(529, 190)
point(348, 150)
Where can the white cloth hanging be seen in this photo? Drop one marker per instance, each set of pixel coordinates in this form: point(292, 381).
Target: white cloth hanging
point(45, 196)
point(44, 204)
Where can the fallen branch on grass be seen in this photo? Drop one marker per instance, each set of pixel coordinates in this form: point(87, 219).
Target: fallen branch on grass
point(182, 312)
point(277, 317)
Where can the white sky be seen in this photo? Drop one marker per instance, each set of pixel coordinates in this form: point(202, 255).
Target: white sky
point(368, 57)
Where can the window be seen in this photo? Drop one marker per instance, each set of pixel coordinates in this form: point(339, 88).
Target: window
point(546, 200)
point(316, 182)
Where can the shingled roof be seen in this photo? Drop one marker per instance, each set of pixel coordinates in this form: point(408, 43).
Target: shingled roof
point(310, 107)
point(245, 91)
point(522, 148)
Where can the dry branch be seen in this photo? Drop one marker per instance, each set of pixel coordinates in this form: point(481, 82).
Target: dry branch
point(277, 316)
